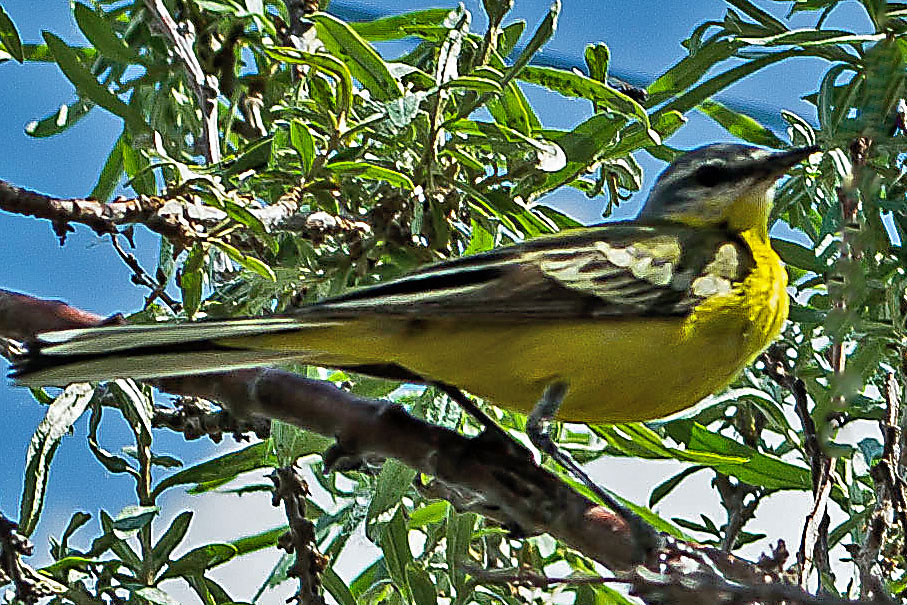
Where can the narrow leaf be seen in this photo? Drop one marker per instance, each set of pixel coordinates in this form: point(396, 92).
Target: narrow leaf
point(84, 81)
point(372, 172)
point(364, 63)
point(160, 554)
point(401, 26)
point(9, 37)
point(394, 481)
point(110, 174)
point(199, 559)
point(100, 33)
point(61, 415)
point(740, 125)
point(65, 117)
point(227, 467)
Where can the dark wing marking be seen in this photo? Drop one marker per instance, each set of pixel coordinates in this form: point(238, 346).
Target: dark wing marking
point(613, 270)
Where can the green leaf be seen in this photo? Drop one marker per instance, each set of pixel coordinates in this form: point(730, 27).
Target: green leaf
point(277, 576)
point(118, 545)
point(572, 84)
point(394, 543)
point(635, 136)
point(421, 586)
point(100, 33)
point(813, 37)
point(337, 588)
point(137, 168)
point(136, 406)
point(434, 512)
point(191, 279)
point(689, 70)
point(256, 542)
point(200, 559)
point(134, 517)
point(112, 463)
point(666, 487)
point(510, 35)
point(481, 239)
point(110, 173)
point(370, 576)
point(364, 63)
point(798, 256)
point(459, 536)
point(66, 116)
point(291, 442)
point(303, 143)
point(61, 414)
point(161, 460)
point(598, 57)
point(226, 467)
point(160, 554)
point(740, 125)
point(372, 172)
point(758, 15)
point(394, 481)
point(694, 96)
point(84, 81)
point(252, 157)
point(755, 468)
point(241, 215)
point(60, 568)
point(541, 36)
point(401, 26)
point(327, 63)
point(9, 37)
point(475, 83)
point(705, 448)
point(582, 146)
point(247, 262)
point(77, 520)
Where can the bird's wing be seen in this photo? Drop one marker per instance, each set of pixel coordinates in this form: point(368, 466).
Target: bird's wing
point(612, 270)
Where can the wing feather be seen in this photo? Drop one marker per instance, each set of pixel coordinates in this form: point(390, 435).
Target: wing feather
point(613, 270)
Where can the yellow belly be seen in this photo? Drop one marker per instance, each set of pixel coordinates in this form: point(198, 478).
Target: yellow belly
point(616, 370)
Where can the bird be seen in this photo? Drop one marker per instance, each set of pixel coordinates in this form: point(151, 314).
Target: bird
point(632, 320)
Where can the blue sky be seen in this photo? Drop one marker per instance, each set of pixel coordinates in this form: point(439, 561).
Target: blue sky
point(644, 38)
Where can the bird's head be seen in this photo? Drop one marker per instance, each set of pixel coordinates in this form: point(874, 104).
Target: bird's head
point(722, 184)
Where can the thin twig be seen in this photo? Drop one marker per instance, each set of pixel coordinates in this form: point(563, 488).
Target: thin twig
point(299, 540)
point(141, 278)
point(204, 87)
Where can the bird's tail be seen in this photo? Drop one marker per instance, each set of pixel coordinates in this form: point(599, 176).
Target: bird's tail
point(153, 351)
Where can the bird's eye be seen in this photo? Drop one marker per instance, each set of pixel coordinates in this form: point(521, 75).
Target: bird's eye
point(711, 175)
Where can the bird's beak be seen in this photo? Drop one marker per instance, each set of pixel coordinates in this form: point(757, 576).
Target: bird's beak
point(778, 163)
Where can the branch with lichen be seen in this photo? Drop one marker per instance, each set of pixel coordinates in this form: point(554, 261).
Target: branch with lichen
point(182, 218)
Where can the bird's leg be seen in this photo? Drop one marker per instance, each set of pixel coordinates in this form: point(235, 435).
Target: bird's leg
point(470, 407)
point(538, 430)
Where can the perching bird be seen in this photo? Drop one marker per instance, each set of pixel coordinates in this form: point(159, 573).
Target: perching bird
point(636, 319)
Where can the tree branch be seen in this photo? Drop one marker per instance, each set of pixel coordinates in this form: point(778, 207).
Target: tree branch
point(183, 218)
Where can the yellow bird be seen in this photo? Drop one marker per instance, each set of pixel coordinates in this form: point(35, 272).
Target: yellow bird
point(636, 319)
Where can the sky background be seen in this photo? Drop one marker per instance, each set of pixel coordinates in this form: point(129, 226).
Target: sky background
point(644, 37)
